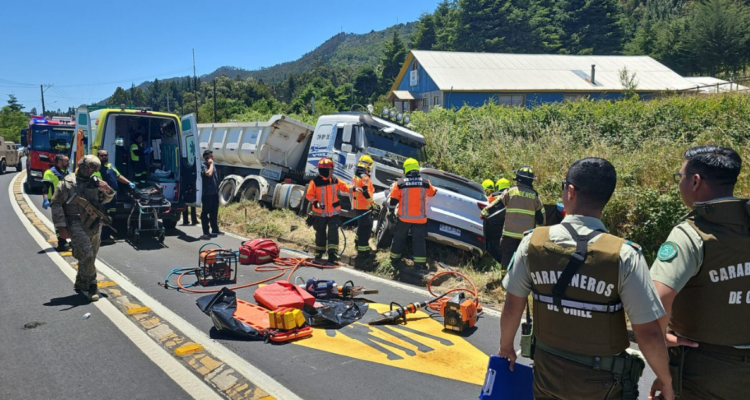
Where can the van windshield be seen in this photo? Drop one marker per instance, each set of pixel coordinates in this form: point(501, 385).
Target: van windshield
point(52, 140)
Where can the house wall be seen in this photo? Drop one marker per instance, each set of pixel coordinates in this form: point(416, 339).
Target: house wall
point(425, 83)
point(477, 99)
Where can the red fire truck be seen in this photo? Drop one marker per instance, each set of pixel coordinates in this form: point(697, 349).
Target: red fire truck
point(45, 138)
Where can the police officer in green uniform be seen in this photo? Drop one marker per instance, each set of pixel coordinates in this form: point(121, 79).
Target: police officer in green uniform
point(50, 180)
point(584, 281)
point(702, 274)
point(108, 173)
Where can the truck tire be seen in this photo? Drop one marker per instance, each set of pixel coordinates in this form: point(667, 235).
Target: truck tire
point(2, 167)
point(19, 166)
point(251, 192)
point(384, 233)
point(226, 191)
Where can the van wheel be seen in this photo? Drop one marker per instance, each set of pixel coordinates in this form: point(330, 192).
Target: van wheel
point(226, 192)
point(2, 167)
point(384, 233)
point(251, 192)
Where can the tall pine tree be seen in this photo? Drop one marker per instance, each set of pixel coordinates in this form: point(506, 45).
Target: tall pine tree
point(393, 60)
point(591, 26)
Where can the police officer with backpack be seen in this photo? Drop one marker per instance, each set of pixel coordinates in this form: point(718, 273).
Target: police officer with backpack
point(702, 273)
point(584, 282)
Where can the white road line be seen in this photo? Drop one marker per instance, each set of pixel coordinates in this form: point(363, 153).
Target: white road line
point(251, 372)
point(177, 371)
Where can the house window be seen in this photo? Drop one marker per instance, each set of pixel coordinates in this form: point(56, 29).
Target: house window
point(511, 100)
point(574, 97)
point(405, 106)
point(435, 101)
point(425, 102)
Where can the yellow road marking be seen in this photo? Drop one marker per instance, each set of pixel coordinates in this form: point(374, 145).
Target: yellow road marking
point(106, 284)
point(189, 348)
point(138, 310)
point(66, 254)
point(421, 346)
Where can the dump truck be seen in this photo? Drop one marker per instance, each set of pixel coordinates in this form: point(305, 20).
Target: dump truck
point(9, 156)
point(273, 161)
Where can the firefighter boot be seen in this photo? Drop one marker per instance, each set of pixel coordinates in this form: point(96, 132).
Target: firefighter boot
point(364, 260)
point(332, 257)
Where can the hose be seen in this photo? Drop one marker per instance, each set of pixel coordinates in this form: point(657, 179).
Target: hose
point(341, 228)
point(282, 265)
point(435, 306)
point(182, 271)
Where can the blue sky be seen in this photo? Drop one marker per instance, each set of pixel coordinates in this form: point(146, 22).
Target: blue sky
point(87, 49)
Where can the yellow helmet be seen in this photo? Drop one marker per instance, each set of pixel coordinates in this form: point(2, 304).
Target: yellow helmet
point(488, 186)
point(501, 184)
point(410, 164)
point(366, 162)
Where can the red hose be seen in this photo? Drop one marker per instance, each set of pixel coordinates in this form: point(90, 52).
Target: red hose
point(281, 265)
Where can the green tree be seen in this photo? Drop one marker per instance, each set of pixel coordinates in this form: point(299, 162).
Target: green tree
point(12, 120)
point(13, 103)
point(139, 98)
point(365, 84)
point(119, 97)
point(32, 111)
point(446, 18)
point(590, 26)
point(393, 60)
point(424, 37)
point(718, 36)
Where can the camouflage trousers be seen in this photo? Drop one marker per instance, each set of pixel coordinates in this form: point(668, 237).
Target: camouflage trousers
point(85, 244)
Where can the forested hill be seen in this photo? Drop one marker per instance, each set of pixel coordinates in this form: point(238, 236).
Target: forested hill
point(344, 50)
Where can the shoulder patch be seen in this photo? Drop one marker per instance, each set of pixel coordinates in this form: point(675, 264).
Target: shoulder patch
point(527, 232)
point(667, 251)
point(633, 245)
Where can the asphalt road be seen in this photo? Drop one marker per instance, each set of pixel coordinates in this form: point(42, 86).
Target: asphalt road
point(47, 350)
point(355, 362)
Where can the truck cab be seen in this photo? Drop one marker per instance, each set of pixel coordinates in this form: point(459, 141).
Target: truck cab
point(345, 137)
point(45, 138)
point(173, 164)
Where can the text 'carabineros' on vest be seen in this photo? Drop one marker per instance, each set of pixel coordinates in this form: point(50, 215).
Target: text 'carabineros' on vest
point(579, 281)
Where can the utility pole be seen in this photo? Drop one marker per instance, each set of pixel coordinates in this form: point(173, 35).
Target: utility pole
point(195, 87)
point(41, 89)
point(214, 100)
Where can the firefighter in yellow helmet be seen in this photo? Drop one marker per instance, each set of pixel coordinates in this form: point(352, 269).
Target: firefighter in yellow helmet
point(362, 203)
point(523, 211)
point(489, 189)
point(410, 193)
point(493, 220)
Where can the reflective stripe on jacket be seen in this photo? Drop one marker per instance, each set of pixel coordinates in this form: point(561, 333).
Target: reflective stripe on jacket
point(360, 200)
point(52, 176)
point(136, 152)
point(521, 204)
point(412, 192)
point(325, 191)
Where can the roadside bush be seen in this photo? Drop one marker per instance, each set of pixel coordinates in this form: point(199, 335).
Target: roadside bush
point(644, 140)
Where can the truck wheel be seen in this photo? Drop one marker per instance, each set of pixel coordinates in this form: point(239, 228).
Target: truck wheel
point(2, 167)
point(19, 166)
point(251, 192)
point(169, 224)
point(384, 233)
point(226, 191)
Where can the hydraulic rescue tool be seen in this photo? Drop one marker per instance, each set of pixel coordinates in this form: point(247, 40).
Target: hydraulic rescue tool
point(459, 313)
point(399, 313)
point(217, 265)
point(327, 289)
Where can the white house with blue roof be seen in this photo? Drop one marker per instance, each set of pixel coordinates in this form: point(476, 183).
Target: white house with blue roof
point(454, 79)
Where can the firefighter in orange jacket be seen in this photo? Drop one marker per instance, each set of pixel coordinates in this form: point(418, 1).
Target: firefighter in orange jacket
point(410, 194)
point(362, 202)
point(323, 194)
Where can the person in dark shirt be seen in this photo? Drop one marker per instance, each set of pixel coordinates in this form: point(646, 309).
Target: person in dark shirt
point(210, 197)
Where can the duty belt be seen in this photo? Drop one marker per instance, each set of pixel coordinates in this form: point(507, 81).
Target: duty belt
point(610, 308)
point(614, 364)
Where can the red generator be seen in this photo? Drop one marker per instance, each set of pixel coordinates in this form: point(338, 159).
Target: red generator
point(217, 265)
point(258, 251)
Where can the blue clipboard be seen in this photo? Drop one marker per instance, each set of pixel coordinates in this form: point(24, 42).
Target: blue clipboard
point(502, 384)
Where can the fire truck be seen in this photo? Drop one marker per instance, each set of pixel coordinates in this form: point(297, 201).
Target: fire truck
point(45, 138)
